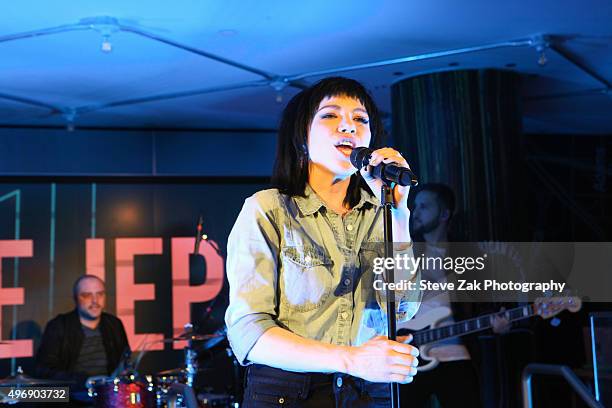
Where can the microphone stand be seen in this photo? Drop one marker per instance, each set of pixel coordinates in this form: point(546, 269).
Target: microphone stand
point(387, 204)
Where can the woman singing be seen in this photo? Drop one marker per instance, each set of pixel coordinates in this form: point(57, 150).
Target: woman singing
point(303, 314)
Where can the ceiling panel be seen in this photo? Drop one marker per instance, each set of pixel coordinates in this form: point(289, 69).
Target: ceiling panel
point(69, 71)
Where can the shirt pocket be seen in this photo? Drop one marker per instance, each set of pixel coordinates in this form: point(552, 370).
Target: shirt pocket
point(306, 277)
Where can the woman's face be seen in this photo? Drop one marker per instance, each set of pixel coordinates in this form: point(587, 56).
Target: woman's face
point(340, 124)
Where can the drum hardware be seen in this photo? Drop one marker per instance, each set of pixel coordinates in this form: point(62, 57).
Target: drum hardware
point(175, 387)
point(207, 400)
point(20, 379)
point(191, 356)
point(172, 388)
point(181, 395)
point(166, 389)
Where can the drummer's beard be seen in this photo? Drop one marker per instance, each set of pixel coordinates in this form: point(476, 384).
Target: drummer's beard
point(91, 312)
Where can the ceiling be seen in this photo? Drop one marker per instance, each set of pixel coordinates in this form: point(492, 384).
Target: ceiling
point(232, 64)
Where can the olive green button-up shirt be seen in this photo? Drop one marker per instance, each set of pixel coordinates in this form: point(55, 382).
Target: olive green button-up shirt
point(295, 264)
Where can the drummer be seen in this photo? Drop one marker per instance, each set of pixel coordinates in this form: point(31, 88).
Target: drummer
point(84, 342)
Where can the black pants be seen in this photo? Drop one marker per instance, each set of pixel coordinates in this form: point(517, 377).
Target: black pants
point(455, 384)
point(272, 387)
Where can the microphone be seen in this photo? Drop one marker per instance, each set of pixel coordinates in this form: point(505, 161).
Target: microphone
point(389, 173)
point(198, 237)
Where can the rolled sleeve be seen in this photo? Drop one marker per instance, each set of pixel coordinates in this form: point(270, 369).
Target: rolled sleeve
point(252, 261)
point(244, 333)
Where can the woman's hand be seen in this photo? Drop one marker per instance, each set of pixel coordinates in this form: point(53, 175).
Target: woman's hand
point(401, 213)
point(383, 360)
point(387, 155)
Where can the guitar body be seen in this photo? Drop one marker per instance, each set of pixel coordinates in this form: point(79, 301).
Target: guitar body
point(429, 320)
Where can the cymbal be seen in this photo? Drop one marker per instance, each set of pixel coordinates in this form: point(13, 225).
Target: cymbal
point(194, 337)
point(210, 343)
point(22, 379)
point(171, 372)
point(179, 371)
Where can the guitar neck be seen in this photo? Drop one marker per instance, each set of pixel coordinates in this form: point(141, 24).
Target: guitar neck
point(470, 325)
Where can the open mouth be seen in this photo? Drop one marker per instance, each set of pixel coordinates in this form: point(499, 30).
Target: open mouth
point(345, 146)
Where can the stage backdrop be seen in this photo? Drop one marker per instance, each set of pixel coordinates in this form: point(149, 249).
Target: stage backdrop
point(137, 235)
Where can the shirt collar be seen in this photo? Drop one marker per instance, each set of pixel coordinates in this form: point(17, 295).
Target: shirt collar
point(311, 203)
point(367, 197)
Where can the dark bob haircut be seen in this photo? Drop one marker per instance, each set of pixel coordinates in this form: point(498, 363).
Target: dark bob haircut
point(290, 173)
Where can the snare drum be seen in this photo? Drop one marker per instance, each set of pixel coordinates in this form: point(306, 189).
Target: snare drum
point(122, 392)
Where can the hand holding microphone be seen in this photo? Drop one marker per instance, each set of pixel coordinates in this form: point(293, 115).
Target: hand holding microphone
point(383, 169)
point(383, 166)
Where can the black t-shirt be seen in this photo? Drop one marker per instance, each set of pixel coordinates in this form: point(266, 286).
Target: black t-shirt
point(92, 357)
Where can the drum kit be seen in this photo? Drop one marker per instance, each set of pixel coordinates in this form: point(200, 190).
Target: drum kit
point(174, 388)
point(127, 388)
